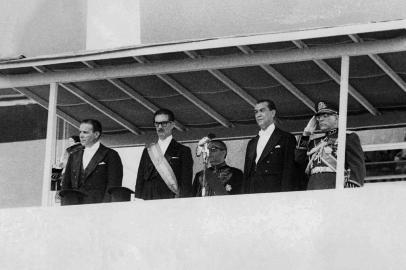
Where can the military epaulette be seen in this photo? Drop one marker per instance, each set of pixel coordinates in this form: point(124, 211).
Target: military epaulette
point(317, 135)
point(332, 131)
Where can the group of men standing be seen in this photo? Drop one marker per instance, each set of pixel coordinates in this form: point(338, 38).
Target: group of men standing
point(274, 161)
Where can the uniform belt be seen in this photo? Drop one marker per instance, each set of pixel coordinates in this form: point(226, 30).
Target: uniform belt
point(321, 170)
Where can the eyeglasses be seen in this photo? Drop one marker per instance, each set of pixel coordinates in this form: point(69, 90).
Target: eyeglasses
point(163, 123)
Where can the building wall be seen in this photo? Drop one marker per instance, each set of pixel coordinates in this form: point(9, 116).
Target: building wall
point(165, 21)
point(41, 27)
point(112, 24)
point(21, 167)
point(44, 27)
point(317, 230)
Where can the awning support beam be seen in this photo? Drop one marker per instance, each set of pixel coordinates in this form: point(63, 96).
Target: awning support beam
point(282, 80)
point(131, 92)
point(336, 77)
point(43, 103)
point(97, 105)
point(226, 81)
point(189, 96)
point(383, 65)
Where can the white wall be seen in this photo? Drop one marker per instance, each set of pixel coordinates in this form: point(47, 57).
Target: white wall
point(331, 229)
point(112, 24)
point(41, 27)
point(175, 20)
point(21, 166)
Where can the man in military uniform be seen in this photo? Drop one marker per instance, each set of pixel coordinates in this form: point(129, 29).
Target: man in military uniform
point(317, 151)
point(220, 179)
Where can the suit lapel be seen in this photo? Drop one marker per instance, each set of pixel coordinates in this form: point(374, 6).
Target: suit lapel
point(77, 163)
point(273, 140)
point(96, 159)
point(171, 150)
point(252, 150)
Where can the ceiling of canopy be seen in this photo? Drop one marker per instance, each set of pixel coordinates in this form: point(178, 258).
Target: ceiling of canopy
point(216, 95)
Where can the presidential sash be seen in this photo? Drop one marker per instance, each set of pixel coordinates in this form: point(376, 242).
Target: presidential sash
point(163, 167)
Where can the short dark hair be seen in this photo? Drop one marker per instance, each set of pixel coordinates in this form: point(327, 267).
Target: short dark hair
point(75, 138)
point(270, 103)
point(95, 124)
point(169, 113)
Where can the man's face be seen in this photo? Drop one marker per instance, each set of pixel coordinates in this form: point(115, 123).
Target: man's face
point(327, 121)
point(87, 136)
point(163, 126)
point(263, 115)
point(216, 154)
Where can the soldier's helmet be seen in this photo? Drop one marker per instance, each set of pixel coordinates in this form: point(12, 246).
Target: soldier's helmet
point(325, 107)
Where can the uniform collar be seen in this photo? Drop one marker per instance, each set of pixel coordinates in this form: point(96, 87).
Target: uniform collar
point(332, 131)
point(218, 166)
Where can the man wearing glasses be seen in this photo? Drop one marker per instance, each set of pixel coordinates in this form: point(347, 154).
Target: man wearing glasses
point(219, 178)
point(317, 151)
point(166, 167)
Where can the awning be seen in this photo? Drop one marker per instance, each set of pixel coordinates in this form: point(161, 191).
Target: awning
point(212, 85)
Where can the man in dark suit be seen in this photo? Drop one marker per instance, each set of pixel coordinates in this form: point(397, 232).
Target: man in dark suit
point(93, 169)
point(166, 167)
point(269, 159)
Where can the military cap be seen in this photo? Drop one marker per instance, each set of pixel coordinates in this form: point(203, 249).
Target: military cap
point(217, 144)
point(120, 194)
point(324, 107)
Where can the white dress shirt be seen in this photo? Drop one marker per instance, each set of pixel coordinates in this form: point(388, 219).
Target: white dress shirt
point(88, 153)
point(163, 144)
point(264, 136)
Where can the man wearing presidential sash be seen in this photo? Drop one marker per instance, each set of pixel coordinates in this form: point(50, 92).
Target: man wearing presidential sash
point(317, 151)
point(166, 167)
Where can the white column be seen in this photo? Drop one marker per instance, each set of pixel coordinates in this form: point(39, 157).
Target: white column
point(50, 144)
point(342, 121)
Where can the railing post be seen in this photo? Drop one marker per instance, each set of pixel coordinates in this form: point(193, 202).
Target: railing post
point(342, 121)
point(50, 144)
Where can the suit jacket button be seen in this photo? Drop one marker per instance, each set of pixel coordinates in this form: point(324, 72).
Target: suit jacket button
point(268, 161)
point(266, 171)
